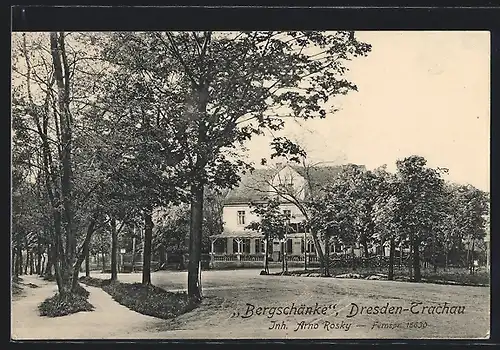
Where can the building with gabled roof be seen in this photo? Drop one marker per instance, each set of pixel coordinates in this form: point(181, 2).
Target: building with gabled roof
point(241, 246)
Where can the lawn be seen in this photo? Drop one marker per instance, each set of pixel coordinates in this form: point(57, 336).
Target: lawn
point(145, 299)
point(458, 276)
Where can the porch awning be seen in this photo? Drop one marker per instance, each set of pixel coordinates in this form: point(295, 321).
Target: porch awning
point(239, 234)
point(251, 234)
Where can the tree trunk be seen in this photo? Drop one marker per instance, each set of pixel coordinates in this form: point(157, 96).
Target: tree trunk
point(364, 243)
point(87, 264)
point(32, 262)
point(434, 258)
point(103, 261)
point(319, 250)
point(162, 251)
point(50, 261)
point(410, 259)
point(266, 255)
point(39, 257)
point(20, 254)
point(195, 232)
point(283, 257)
point(400, 255)
point(326, 271)
point(84, 252)
point(62, 76)
point(114, 251)
point(392, 252)
point(416, 260)
point(133, 253)
point(472, 266)
point(148, 237)
point(43, 266)
point(57, 261)
point(27, 261)
point(15, 259)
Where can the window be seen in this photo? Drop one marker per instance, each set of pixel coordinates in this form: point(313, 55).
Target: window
point(302, 246)
point(289, 246)
point(287, 213)
point(310, 247)
point(260, 246)
point(241, 217)
point(301, 227)
point(220, 246)
point(245, 245)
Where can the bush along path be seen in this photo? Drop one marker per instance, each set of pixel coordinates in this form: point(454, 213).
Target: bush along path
point(62, 305)
point(144, 299)
point(109, 319)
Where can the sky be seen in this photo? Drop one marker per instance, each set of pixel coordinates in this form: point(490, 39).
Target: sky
point(419, 93)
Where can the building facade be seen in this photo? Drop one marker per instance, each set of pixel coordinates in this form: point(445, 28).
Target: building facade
point(239, 246)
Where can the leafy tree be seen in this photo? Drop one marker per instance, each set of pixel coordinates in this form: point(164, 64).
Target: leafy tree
point(172, 229)
point(212, 215)
point(333, 214)
point(141, 126)
point(233, 86)
point(299, 196)
point(419, 191)
point(470, 212)
point(386, 214)
point(51, 104)
point(272, 224)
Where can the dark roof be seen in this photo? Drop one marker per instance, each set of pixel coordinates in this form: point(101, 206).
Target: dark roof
point(254, 186)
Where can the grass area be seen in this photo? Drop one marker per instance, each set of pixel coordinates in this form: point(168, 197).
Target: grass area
point(458, 276)
point(62, 305)
point(145, 299)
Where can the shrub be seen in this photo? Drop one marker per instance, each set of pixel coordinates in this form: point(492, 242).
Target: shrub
point(62, 305)
point(94, 282)
point(149, 300)
point(145, 299)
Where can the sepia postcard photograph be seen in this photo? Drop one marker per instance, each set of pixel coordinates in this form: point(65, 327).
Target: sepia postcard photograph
point(250, 185)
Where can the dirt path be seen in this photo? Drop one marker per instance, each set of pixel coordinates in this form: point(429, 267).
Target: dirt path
point(108, 320)
point(228, 292)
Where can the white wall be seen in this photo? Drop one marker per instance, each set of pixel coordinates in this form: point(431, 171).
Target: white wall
point(230, 217)
point(230, 212)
